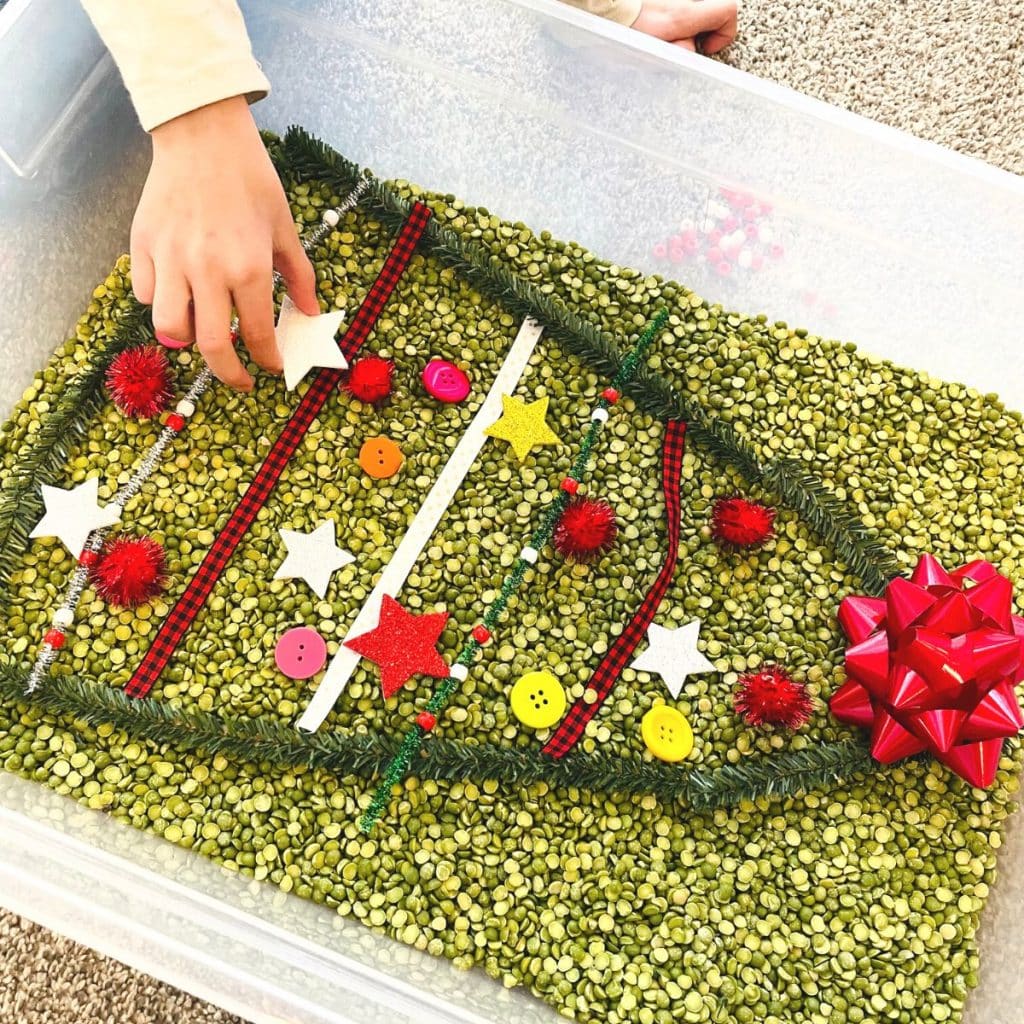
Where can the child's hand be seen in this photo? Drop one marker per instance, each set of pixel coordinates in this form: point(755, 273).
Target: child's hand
point(212, 224)
point(707, 24)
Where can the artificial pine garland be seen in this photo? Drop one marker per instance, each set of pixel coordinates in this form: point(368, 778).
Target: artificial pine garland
point(827, 515)
point(21, 502)
point(259, 741)
point(20, 505)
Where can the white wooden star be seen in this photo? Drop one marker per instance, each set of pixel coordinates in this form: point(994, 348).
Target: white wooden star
point(307, 341)
point(673, 655)
point(312, 557)
point(72, 514)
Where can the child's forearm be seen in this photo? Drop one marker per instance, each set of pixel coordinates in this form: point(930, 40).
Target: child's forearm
point(175, 56)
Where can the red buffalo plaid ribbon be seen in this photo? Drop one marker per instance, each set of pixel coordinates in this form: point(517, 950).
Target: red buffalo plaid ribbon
point(324, 385)
point(571, 728)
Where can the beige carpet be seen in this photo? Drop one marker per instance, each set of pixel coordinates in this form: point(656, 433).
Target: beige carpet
point(948, 70)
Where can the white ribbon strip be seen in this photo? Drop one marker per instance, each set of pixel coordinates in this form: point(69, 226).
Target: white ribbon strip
point(423, 526)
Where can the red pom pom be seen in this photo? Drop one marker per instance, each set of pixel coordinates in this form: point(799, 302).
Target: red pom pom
point(586, 530)
point(741, 523)
point(131, 571)
point(369, 379)
point(139, 381)
point(770, 697)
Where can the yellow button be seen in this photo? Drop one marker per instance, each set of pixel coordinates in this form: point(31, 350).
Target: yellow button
point(667, 733)
point(380, 457)
point(538, 700)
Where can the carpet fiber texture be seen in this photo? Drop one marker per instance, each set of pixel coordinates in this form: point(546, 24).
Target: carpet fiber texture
point(949, 71)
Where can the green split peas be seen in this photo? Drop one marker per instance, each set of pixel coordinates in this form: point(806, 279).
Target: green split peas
point(612, 908)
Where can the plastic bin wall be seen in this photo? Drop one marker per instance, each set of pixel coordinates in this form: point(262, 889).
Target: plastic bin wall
point(567, 123)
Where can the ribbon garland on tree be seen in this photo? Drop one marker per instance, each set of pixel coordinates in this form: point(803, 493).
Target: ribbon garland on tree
point(324, 385)
point(568, 733)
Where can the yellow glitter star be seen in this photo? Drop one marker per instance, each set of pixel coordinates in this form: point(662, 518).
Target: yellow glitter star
point(522, 425)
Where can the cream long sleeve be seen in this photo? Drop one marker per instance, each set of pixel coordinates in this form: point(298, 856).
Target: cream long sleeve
point(178, 55)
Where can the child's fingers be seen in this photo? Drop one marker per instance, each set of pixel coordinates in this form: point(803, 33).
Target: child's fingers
point(717, 24)
point(213, 335)
point(686, 44)
point(172, 310)
point(254, 301)
point(297, 272)
point(143, 277)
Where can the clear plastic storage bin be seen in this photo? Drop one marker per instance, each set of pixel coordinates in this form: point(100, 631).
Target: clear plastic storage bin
point(567, 123)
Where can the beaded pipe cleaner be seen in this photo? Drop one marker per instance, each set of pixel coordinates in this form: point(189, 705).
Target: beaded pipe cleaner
point(481, 633)
point(64, 615)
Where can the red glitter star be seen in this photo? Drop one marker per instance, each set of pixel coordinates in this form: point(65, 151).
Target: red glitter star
point(402, 645)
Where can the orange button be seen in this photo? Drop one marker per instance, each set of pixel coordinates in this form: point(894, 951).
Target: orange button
point(380, 457)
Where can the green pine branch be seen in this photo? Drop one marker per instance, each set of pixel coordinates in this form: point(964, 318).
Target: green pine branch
point(45, 451)
point(831, 519)
point(850, 539)
point(262, 742)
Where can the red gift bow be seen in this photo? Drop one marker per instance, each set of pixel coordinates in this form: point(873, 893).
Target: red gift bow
point(932, 666)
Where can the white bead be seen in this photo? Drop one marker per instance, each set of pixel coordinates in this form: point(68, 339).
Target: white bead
point(460, 672)
point(63, 617)
point(599, 414)
point(743, 258)
point(529, 554)
point(737, 238)
point(765, 234)
point(331, 218)
point(185, 407)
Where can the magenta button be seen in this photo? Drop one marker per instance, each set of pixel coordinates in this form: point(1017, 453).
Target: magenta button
point(300, 653)
point(445, 381)
point(169, 342)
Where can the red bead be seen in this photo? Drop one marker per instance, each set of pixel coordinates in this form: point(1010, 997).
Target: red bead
point(570, 486)
point(55, 638)
point(481, 634)
point(88, 558)
point(175, 421)
point(426, 721)
point(610, 395)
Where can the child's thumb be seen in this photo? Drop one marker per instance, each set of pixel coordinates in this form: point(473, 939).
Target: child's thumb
point(292, 263)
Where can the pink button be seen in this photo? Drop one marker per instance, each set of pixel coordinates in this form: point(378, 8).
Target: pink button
point(445, 381)
point(300, 653)
point(169, 342)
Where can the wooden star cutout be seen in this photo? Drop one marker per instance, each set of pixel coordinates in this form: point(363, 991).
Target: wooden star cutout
point(312, 557)
point(307, 341)
point(673, 655)
point(71, 515)
point(522, 425)
point(402, 645)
